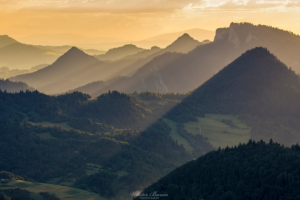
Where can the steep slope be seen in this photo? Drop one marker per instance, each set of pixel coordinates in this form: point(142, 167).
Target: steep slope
point(68, 63)
point(256, 85)
point(18, 55)
point(6, 40)
point(249, 171)
point(120, 52)
point(8, 86)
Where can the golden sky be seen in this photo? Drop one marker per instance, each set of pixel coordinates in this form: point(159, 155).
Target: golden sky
point(138, 19)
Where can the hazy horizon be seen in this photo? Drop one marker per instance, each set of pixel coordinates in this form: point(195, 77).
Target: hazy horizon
point(118, 22)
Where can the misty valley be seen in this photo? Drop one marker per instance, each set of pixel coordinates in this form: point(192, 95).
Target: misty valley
point(195, 120)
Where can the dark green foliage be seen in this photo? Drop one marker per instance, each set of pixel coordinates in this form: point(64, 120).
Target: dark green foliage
point(100, 183)
point(251, 171)
point(156, 96)
point(10, 176)
point(132, 158)
point(116, 109)
point(47, 196)
point(16, 194)
point(4, 197)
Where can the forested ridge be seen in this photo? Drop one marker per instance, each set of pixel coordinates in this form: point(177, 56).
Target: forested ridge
point(255, 170)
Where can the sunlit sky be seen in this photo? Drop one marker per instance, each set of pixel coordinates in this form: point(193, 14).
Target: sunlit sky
point(138, 19)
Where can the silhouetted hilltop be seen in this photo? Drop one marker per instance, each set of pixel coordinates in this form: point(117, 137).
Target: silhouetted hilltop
point(6, 40)
point(12, 87)
point(68, 63)
point(257, 77)
point(120, 52)
point(183, 44)
point(256, 84)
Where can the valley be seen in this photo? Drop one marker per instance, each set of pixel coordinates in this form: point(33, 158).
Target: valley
point(196, 119)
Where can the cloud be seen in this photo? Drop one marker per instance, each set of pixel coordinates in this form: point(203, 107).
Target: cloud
point(234, 5)
point(102, 5)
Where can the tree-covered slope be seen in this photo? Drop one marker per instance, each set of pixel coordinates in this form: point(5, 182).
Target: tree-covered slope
point(104, 145)
point(250, 171)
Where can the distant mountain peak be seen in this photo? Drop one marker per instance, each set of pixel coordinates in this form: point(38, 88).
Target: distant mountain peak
point(75, 49)
point(183, 44)
point(74, 52)
point(185, 36)
point(6, 40)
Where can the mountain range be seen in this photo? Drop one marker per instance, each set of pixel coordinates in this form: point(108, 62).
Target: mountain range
point(70, 62)
point(164, 40)
point(125, 137)
point(20, 56)
point(104, 70)
point(197, 66)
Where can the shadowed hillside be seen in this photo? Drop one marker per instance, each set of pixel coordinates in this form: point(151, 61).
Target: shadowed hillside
point(256, 86)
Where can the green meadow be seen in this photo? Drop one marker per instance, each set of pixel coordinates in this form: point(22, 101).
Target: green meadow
point(61, 192)
point(218, 133)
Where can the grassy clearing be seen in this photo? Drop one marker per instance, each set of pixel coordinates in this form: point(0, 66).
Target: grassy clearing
point(122, 173)
point(219, 133)
point(177, 137)
point(45, 136)
point(61, 192)
point(93, 169)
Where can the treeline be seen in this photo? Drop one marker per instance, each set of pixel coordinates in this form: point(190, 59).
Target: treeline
point(157, 96)
point(109, 109)
point(255, 170)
